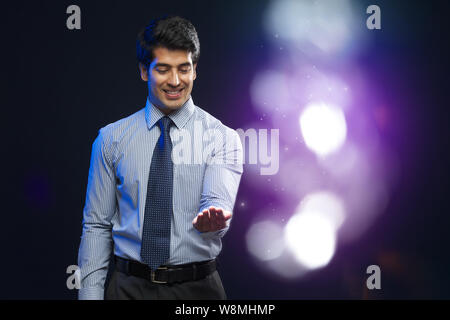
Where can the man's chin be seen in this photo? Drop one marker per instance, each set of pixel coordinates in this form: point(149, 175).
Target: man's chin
point(170, 105)
point(168, 108)
point(175, 104)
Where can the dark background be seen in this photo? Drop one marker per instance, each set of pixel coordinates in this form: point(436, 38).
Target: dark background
point(61, 86)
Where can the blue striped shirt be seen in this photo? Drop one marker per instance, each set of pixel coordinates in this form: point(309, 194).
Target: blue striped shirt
point(208, 160)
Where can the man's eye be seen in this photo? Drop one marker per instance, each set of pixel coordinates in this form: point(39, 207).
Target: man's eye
point(161, 71)
point(185, 70)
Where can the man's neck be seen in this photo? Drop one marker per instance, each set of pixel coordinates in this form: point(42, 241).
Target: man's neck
point(164, 110)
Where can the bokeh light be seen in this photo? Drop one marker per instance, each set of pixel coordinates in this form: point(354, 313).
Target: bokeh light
point(312, 239)
point(326, 205)
point(331, 153)
point(315, 27)
point(265, 240)
point(323, 128)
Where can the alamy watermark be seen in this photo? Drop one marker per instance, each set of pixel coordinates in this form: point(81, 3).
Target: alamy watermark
point(374, 20)
point(258, 149)
point(220, 146)
point(374, 280)
point(74, 280)
point(73, 21)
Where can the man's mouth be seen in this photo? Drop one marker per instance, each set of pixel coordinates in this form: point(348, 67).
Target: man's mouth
point(173, 94)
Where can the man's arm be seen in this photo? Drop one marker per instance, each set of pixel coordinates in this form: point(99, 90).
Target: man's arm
point(96, 240)
point(220, 187)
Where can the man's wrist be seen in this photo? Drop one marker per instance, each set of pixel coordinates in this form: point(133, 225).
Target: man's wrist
point(213, 234)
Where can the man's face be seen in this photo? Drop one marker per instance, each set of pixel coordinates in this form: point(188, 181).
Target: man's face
point(170, 78)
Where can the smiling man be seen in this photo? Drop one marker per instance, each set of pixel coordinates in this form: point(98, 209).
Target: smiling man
point(172, 79)
point(161, 219)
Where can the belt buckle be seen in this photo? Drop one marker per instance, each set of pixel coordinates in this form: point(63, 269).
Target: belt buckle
point(152, 275)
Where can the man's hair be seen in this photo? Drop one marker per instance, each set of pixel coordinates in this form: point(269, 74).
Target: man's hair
point(171, 32)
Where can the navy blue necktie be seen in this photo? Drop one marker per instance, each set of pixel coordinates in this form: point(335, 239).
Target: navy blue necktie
point(155, 248)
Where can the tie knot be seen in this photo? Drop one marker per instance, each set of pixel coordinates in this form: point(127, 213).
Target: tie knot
point(165, 123)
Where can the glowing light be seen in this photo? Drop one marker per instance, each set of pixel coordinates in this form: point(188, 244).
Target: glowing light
point(299, 176)
point(344, 163)
point(325, 205)
point(265, 240)
point(287, 266)
point(320, 26)
point(323, 127)
point(269, 91)
point(310, 83)
point(311, 239)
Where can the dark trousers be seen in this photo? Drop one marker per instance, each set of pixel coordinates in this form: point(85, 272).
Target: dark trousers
point(125, 287)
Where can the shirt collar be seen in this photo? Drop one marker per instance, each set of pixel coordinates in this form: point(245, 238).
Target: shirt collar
point(180, 117)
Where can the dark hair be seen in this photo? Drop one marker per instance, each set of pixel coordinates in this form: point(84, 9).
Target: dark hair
point(171, 32)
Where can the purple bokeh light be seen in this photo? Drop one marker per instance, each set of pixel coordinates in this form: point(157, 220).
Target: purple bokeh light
point(315, 65)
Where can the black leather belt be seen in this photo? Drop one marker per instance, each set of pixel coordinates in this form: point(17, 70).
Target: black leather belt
point(166, 274)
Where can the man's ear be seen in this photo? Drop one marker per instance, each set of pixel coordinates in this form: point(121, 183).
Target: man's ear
point(143, 71)
point(195, 71)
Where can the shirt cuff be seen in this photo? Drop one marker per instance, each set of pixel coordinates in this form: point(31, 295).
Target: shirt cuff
point(91, 293)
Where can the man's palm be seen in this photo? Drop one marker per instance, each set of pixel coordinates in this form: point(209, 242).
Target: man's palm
point(212, 219)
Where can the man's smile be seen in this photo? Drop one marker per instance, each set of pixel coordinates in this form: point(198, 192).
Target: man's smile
point(172, 93)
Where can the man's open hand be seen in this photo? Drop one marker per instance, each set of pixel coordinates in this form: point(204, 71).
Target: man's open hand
point(212, 219)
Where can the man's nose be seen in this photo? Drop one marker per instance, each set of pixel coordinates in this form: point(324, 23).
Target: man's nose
point(174, 80)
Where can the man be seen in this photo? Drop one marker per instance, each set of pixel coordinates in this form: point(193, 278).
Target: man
point(162, 184)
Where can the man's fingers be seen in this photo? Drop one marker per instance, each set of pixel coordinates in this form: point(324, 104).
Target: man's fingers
point(212, 225)
point(199, 221)
point(227, 215)
point(217, 221)
point(217, 218)
point(211, 219)
point(220, 218)
point(205, 221)
point(224, 214)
